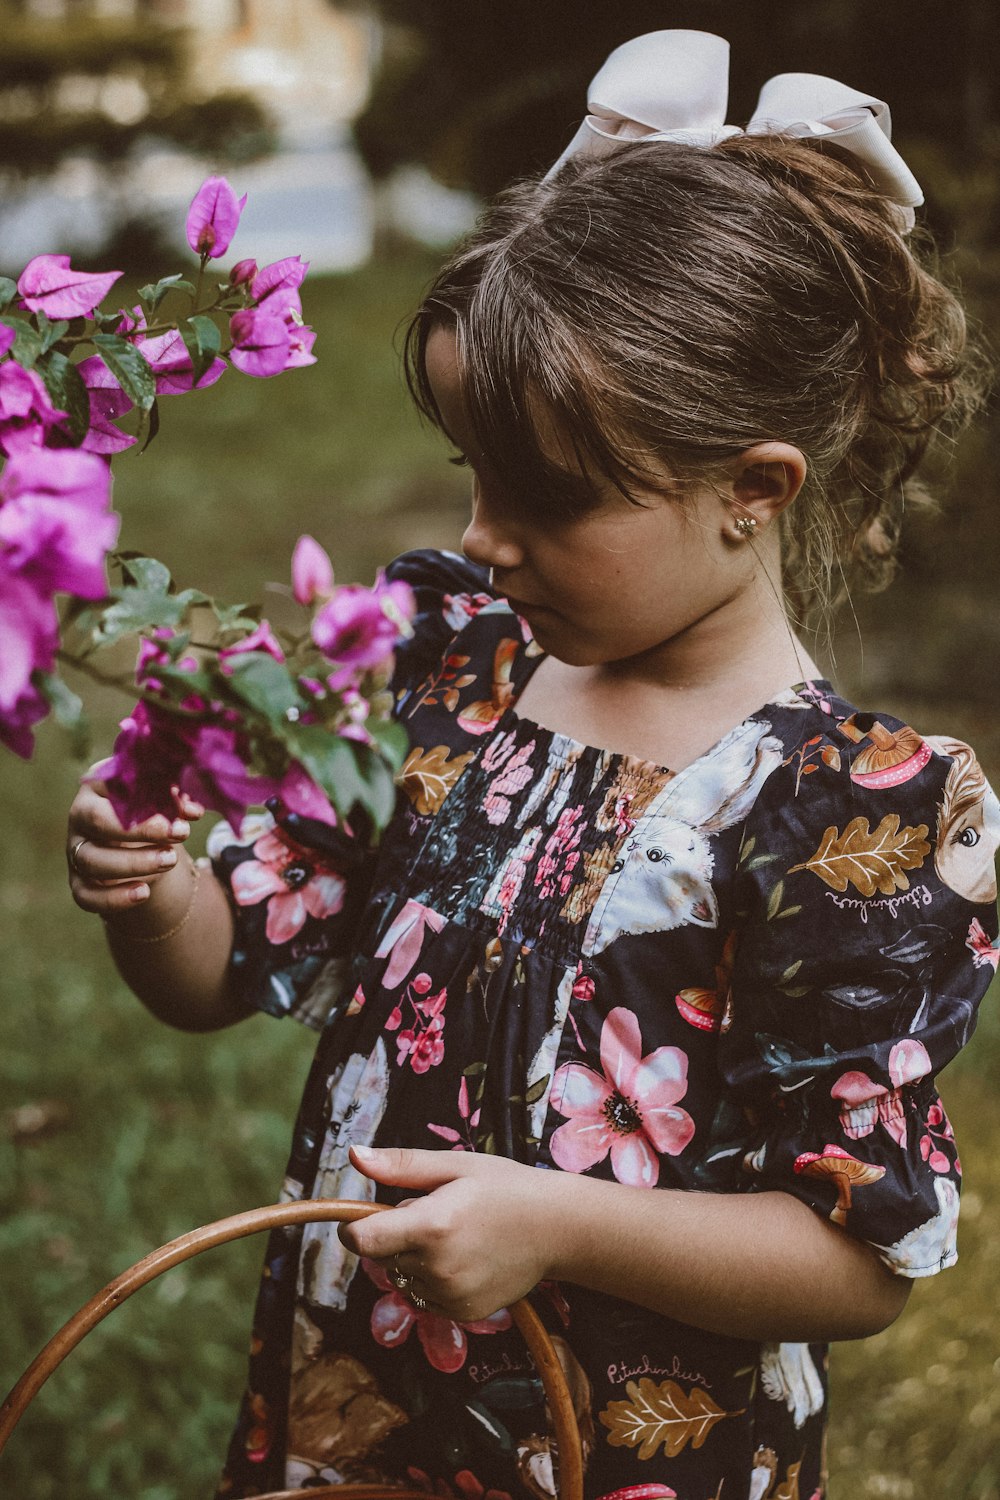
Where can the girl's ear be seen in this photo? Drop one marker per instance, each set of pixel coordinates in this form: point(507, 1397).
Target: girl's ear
point(766, 478)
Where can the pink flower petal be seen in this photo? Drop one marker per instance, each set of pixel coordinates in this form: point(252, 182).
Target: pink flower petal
point(391, 1321)
point(48, 285)
point(660, 1079)
point(443, 1342)
point(621, 1050)
point(324, 895)
point(253, 882)
point(669, 1129)
point(312, 571)
point(280, 275)
point(286, 915)
point(578, 1090)
point(497, 1322)
point(581, 1143)
point(213, 217)
point(633, 1160)
point(261, 344)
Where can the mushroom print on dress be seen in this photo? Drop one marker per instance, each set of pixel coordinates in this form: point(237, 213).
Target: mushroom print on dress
point(739, 977)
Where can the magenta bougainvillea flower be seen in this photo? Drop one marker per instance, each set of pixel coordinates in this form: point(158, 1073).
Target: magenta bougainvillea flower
point(29, 632)
point(56, 522)
point(157, 750)
point(261, 343)
point(275, 288)
point(360, 627)
point(48, 285)
point(167, 356)
point(27, 415)
point(261, 639)
point(243, 272)
point(443, 1341)
point(300, 343)
point(312, 571)
point(107, 402)
point(294, 881)
point(631, 1111)
point(213, 217)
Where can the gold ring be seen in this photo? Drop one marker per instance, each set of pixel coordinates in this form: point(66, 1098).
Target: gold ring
point(74, 851)
point(398, 1277)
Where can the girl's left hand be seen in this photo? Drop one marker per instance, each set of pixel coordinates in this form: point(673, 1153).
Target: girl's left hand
point(475, 1242)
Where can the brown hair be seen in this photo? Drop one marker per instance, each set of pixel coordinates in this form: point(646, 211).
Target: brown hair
point(677, 304)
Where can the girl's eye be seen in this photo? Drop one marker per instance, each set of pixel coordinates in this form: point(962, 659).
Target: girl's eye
point(968, 838)
point(460, 461)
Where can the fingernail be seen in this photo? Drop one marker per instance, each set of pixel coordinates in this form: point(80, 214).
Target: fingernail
point(139, 893)
point(366, 1153)
point(180, 829)
point(166, 858)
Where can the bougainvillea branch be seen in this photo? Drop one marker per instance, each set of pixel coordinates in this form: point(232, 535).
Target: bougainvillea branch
point(233, 712)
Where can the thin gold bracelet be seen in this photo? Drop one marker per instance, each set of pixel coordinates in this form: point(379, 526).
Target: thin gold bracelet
point(161, 937)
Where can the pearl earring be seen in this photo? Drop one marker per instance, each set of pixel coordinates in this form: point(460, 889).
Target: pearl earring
point(746, 526)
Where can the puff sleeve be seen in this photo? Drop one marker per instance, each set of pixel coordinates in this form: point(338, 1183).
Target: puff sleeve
point(867, 938)
point(298, 888)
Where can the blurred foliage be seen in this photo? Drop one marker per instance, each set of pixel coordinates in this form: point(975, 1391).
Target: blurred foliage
point(481, 94)
point(100, 87)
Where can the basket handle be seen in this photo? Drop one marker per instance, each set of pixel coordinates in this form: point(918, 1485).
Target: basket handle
point(279, 1216)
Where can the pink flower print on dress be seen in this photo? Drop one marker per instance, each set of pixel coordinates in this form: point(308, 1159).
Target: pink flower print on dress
point(560, 857)
point(981, 946)
point(630, 1112)
point(294, 882)
point(422, 1042)
point(938, 1129)
point(404, 939)
point(443, 1341)
point(514, 777)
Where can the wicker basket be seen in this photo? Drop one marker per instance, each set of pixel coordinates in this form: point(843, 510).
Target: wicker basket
point(276, 1216)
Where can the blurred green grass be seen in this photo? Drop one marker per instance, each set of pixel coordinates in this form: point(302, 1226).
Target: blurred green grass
point(163, 1131)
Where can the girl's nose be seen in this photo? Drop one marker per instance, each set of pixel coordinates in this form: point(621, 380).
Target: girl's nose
point(488, 542)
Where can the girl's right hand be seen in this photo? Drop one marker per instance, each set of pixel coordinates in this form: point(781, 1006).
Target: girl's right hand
point(114, 869)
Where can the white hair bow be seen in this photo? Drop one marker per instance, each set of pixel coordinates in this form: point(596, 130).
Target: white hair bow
point(674, 86)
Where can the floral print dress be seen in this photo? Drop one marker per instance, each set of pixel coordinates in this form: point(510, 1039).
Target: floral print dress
point(740, 977)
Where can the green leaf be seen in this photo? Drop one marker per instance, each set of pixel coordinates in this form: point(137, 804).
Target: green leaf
point(27, 345)
point(255, 678)
point(153, 293)
point(746, 850)
point(50, 332)
point(68, 710)
point(129, 368)
point(65, 385)
point(775, 900)
point(146, 572)
point(203, 341)
point(153, 426)
point(536, 1090)
point(790, 911)
point(330, 762)
point(8, 291)
point(791, 971)
point(233, 617)
point(391, 738)
point(474, 1070)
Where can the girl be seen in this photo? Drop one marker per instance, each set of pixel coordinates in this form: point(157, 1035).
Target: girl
point(658, 908)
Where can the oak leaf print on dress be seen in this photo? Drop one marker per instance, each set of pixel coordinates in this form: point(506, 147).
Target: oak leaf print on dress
point(869, 859)
point(428, 776)
point(661, 1415)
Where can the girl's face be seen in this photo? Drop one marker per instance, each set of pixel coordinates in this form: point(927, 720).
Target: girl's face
point(614, 585)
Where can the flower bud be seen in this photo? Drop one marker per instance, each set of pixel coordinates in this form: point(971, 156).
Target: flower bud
point(243, 272)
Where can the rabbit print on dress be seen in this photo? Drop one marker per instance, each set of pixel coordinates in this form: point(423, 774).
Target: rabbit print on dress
point(662, 878)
